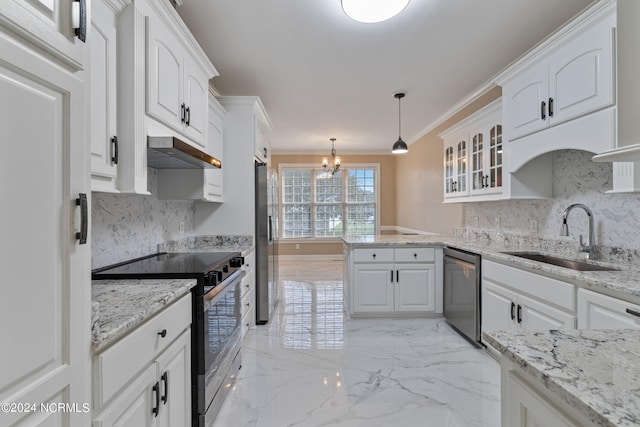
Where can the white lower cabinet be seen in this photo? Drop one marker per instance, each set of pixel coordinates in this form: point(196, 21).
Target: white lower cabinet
point(387, 280)
point(145, 378)
point(528, 408)
point(597, 311)
point(514, 299)
point(248, 294)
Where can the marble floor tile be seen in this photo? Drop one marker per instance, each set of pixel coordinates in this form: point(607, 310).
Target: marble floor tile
point(310, 366)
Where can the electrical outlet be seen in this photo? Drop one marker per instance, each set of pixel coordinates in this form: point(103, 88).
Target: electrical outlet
point(476, 221)
point(181, 228)
point(496, 223)
point(297, 246)
point(533, 225)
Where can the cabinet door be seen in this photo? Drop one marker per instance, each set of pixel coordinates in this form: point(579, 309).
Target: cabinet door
point(498, 309)
point(372, 288)
point(449, 168)
point(214, 178)
point(103, 95)
point(581, 74)
point(43, 168)
point(165, 76)
point(527, 408)
point(47, 24)
point(524, 102)
point(415, 287)
point(597, 311)
point(174, 370)
point(462, 172)
point(540, 316)
point(196, 100)
point(133, 408)
point(477, 167)
point(494, 159)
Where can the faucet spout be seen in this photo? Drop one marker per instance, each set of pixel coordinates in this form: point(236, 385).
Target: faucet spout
point(564, 231)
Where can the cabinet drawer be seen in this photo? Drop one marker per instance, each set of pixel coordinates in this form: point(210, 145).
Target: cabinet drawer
point(249, 261)
point(553, 291)
point(248, 320)
point(248, 302)
point(247, 284)
point(597, 311)
point(373, 255)
point(415, 255)
point(115, 367)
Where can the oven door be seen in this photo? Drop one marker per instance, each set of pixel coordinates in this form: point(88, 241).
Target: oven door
point(222, 335)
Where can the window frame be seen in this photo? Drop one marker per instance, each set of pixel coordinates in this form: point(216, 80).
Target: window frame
point(313, 168)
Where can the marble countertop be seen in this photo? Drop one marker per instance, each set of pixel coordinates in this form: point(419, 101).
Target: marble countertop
point(594, 371)
point(624, 283)
point(118, 306)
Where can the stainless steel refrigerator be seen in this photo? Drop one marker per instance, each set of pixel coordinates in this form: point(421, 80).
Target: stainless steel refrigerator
point(266, 242)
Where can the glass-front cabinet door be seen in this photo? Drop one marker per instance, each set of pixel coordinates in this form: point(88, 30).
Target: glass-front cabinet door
point(460, 183)
point(456, 174)
point(495, 157)
point(448, 171)
point(486, 159)
point(477, 162)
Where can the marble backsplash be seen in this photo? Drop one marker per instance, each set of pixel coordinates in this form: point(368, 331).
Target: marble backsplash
point(576, 180)
point(208, 243)
point(126, 226)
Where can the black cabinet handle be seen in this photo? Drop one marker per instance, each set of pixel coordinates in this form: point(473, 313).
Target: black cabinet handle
point(397, 276)
point(633, 312)
point(114, 150)
point(165, 380)
point(156, 391)
point(163, 333)
point(550, 107)
point(84, 218)
point(513, 310)
point(265, 152)
point(391, 276)
point(543, 110)
point(519, 313)
point(486, 177)
point(182, 113)
point(188, 116)
point(81, 31)
point(415, 256)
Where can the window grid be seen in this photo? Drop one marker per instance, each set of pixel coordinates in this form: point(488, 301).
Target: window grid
point(328, 206)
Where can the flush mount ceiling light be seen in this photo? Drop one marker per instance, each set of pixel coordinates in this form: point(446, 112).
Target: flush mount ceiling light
point(335, 160)
point(369, 11)
point(400, 147)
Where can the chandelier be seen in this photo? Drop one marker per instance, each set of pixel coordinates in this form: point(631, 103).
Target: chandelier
point(335, 160)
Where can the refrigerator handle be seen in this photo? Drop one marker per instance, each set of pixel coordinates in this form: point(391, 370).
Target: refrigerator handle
point(270, 237)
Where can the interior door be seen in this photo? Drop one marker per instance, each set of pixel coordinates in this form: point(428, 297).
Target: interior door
point(45, 297)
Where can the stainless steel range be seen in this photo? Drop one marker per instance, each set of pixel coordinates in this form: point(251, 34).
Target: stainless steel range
point(216, 329)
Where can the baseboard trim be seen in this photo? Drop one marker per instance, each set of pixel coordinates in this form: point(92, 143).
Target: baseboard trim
point(336, 257)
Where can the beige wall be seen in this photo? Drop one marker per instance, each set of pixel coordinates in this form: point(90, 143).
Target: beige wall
point(410, 186)
point(419, 179)
point(387, 197)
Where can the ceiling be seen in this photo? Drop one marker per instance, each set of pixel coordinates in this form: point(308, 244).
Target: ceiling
point(322, 75)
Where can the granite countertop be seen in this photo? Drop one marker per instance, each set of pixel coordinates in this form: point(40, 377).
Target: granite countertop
point(594, 371)
point(624, 283)
point(118, 306)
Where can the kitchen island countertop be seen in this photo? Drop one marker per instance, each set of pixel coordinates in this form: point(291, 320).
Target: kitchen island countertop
point(594, 371)
point(118, 306)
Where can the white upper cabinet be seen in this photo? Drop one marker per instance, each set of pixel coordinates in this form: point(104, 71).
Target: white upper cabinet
point(569, 76)
point(103, 95)
point(177, 86)
point(576, 78)
point(47, 24)
point(473, 157)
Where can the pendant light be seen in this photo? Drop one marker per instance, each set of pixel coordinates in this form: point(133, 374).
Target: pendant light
point(335, 160)
point(400, 147)
point(369, 11)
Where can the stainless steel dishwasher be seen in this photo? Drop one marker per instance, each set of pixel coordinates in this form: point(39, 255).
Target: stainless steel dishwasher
point(462, 293)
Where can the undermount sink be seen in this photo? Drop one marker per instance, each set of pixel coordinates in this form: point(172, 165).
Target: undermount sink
point(560, 262)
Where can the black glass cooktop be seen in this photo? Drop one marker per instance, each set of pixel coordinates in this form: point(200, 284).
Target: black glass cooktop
point(166, 265)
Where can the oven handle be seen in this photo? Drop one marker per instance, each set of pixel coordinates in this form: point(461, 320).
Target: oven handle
point(216, 293)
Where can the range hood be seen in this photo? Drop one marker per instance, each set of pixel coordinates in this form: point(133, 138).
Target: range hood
point(167, 152)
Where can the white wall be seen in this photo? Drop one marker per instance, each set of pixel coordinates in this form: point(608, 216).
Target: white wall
point(576, 180)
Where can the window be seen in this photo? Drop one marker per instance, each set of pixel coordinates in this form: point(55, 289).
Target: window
point(316, 204)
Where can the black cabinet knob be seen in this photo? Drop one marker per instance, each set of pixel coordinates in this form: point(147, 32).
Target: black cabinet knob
point(163, 333)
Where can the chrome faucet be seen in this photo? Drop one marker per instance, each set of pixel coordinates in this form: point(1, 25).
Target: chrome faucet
point(564, 231)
